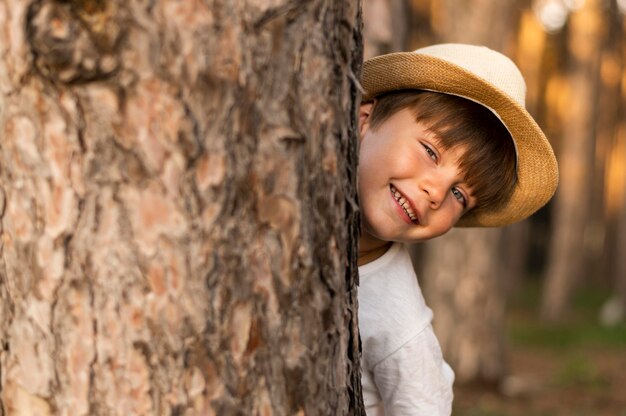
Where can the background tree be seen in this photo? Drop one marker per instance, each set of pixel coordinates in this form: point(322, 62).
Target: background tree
point(572, 56)
point(612, 128)
point(459, 272)
point(462, 271)
point(573, 226)
point(178, 207)
point(386, 27)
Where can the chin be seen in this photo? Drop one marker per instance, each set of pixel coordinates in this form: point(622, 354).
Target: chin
point(380, 233)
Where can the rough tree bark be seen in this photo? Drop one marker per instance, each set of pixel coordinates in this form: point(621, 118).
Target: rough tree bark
point(177, 199)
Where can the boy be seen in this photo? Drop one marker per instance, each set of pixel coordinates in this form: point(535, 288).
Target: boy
point(445, 140)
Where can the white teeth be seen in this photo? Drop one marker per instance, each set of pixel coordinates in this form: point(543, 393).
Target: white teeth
point(403, 203)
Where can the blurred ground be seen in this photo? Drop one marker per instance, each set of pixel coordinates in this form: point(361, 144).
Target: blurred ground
point(575, 368)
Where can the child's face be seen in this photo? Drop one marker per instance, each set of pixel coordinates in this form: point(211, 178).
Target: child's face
point(410, 188)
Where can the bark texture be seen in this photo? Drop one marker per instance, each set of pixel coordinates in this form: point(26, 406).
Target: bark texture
point(177, 199)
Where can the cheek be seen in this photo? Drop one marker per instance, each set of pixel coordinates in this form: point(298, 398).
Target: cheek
point(450, 217)
point(367, 153)
point(370, 166)
point(444, 219)
point(438, 230)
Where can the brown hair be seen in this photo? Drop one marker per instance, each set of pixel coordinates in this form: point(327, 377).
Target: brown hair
point(489, 161)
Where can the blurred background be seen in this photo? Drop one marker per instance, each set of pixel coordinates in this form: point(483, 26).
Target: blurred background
point(532, 316)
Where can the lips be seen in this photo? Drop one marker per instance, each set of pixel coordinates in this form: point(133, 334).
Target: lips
point(404, 203)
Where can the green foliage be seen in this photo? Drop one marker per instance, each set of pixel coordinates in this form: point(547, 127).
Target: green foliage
point(580, 328)
point(567, 335)
point(569, 364)
point(578, 370)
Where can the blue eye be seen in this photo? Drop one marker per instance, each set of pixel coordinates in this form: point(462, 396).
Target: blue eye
point(431, 152)
point(459, 196)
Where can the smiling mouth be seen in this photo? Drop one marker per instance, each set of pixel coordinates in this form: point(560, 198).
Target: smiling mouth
point(404, 203)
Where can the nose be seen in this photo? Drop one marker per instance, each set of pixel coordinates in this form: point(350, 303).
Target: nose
point(435, 191)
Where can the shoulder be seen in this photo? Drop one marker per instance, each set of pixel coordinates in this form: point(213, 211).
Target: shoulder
point(392, 309)
point(415, 380)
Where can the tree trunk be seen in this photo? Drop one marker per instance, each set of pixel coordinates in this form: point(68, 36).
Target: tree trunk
point(385, 25)
point(178, 216)
point(463, 269)
point(619, 297)
point(463, 281)
point(572, 228)
point(614, 310)
point(620, 244)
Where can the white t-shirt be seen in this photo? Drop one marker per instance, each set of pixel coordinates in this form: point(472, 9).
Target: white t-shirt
point(403, 370)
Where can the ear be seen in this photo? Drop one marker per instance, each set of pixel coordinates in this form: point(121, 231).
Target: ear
point(365, 111)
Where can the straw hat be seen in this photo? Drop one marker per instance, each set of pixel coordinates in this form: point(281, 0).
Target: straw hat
point(488, 78)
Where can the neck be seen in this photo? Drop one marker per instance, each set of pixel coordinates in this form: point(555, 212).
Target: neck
point(371, 248)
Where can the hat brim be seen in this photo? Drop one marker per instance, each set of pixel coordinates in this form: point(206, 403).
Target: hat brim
point(537, 170)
